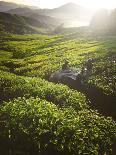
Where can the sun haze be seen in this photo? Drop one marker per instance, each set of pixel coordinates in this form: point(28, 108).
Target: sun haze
point(93, 4)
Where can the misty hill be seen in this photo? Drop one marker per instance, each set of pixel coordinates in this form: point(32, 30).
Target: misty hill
point(21, 25)
point(49, 21)
point(5, 6)
point(20, 11)
point(66, 13)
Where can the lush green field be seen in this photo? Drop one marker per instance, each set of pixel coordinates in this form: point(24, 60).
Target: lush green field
point(39, 56)
point(40, 117)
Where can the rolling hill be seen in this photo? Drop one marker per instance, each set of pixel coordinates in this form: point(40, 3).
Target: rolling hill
point(5, 6)
point(67, 13)
point(46, 19)
point(35, 112)
point(21, 25)
point(69, 10)
point(20, 11)
point(21, 19)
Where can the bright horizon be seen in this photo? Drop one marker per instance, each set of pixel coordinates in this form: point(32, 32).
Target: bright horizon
point(92, 4)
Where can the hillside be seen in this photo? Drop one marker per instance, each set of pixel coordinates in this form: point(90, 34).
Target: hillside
point(50, 22)
point(20, 11)
point(18, 24)
point(62, 119)
point(67, 14)
point(13, 23)
point(69, 11)
point(5, 6)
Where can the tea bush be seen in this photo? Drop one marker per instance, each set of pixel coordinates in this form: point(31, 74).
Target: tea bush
point(40, 127)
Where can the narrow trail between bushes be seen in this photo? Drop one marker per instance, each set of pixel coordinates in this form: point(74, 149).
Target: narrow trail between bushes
point(105, 104)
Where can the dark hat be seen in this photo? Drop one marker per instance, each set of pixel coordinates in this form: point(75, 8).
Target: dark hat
point(89, 60)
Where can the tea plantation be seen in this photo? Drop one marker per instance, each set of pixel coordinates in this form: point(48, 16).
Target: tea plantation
point(39, 117)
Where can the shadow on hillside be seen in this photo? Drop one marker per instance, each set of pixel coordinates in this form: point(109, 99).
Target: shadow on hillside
point(105, 104)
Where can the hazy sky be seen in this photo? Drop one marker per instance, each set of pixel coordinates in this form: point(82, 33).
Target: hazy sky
point(95, 4)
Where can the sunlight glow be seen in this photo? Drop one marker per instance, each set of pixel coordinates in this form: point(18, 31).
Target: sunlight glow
point(93, 4)
point(97, 4)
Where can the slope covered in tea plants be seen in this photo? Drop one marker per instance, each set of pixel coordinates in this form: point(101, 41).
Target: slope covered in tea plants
point(39, 56)
point(40, 117)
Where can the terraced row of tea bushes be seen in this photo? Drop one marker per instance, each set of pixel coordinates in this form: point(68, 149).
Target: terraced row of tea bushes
point(51, 118)
point(36, 126)
point(14, 48)
point(13, 86)
point(103, 75)
point(40, 57)
point(46, 54)
point(51, 58)
point(26, 37)
point(21, 49)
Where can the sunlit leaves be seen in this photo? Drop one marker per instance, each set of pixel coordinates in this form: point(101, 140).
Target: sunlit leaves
point(83, 132)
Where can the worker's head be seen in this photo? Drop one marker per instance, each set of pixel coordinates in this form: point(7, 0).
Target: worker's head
point(89, 60)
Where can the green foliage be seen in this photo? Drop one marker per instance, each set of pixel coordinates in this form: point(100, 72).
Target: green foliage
point(41, 55)
point(17, 24)
point(13, 86)
point(51, 118)
point(42, 126)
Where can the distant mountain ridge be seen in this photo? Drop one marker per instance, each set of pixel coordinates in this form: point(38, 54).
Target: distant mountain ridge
point(5, 6)
point(20, 11)
point(49, 18)
point(67, 11)
point(34, 14)
point(17, 24)
point(65, 14)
